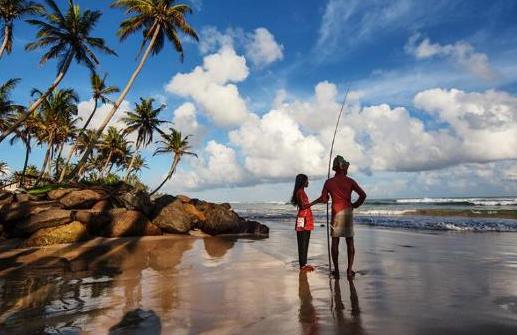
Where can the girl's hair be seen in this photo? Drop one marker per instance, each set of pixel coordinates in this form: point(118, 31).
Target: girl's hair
point(300, 181)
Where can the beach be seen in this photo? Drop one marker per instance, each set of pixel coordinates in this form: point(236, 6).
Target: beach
point(408, 282)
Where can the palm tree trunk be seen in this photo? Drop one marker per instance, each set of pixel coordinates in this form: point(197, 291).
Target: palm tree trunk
point(120, 99)
point(59, 153)
point(106, 164)
point(26, 162)
point(7, 33)
point(45, 162)
point(38, 102)
point(131, 164)
point(171, 172)
point(74, 148)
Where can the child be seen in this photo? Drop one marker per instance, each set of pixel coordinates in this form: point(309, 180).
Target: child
point(304, 220)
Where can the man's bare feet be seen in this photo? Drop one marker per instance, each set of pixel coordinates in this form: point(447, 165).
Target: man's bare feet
point(335, 274)
point(350, 273)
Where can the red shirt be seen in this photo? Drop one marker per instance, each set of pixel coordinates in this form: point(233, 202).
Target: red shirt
point(340, 188)
point(306, 213)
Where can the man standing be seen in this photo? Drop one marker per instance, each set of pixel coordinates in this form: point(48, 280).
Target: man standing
point(340, 188)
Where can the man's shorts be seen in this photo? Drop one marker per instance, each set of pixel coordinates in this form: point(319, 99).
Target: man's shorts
point(343, 224)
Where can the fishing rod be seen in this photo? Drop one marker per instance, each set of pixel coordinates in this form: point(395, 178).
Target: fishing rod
point(328, 174)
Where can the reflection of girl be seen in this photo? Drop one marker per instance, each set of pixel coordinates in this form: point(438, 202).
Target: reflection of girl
point(304, 220)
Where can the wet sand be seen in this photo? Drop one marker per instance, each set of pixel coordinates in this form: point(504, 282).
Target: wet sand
point(407, 283)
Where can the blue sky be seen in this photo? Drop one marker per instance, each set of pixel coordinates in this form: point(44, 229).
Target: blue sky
point(432, 109)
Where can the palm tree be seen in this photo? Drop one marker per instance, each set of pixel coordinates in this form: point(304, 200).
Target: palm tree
point(25, 134)
point(7, 106)
point(54, 122)
point(138, 164)
point(4, 168)
point(10, 11)
point(114, 147)
point(159, 20)
point(68, 37)
point(100, 92)
point(144, 121)
point(173, 143)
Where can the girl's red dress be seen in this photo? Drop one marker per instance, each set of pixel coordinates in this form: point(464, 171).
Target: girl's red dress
point(305, 213)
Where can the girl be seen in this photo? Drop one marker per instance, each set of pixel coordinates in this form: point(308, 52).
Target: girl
point(304, 220)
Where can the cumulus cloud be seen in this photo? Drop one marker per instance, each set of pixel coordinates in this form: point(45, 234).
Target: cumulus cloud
point(217, 166)
point(485, 124)
point(461, 53)
point(262, 48)
point(212, 87)
point(185, 120)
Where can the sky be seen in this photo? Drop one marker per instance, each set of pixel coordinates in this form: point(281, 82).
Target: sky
point(431, 109)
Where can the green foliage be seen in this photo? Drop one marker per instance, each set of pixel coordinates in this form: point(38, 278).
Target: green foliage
point(45, 188)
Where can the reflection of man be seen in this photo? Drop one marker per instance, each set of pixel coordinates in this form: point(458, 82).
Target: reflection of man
point(344, 325)
point(340, 188)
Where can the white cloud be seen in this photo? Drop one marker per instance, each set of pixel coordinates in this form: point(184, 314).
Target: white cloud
point(185, 120)
point(262, 49)
point(461, 53)
point(211, 87)
point(216, 167)
point(348, 22)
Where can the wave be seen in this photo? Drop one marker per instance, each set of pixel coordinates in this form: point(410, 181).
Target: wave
point(441, 224)
point(461, 201)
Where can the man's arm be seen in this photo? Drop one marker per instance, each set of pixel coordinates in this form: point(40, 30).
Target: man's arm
point(361, 193)
point(324, 197)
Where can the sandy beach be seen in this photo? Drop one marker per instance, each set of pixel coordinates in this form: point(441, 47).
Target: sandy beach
point(407, 283)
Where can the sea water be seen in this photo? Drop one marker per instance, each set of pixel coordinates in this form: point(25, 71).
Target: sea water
point(478, 214)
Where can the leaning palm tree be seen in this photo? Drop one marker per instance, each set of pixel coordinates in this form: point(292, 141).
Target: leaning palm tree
point(53, 121)
point(159, 20)
point(4, 169)
point(144, 121)
point(100, 92)
point(176, 144)
point(7, 106)
point(114, 149)
point(25, 134)
point(10, 11)
point(138, 164)
point(67, 35)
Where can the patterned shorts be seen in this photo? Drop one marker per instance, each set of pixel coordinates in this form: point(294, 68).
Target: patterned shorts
point(343, 224)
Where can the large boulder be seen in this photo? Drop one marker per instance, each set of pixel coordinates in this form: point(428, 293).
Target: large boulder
point(20, 210)
point(172, 215)
point(129, 223)
point(59, 193)
point(68, 233)
point(138, 201)
point(46, 219)
point(219, 219)
point(102, 206)
point(82, 199)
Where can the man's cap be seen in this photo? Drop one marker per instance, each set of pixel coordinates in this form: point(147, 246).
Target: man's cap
point(339, 163)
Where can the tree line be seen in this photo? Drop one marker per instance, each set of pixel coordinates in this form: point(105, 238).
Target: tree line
point(51, 118)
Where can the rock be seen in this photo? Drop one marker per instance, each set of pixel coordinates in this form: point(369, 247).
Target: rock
point(138, 321)
point(139, 201)
point(6, 197)
point(183, 198)
point(82, 199)
point(59, 193)
point(46, 219)
point(254, 228)
point(129, 223)
point(102, 206)
point(95, 221)
point(21, 210)
point(176, 216)
point(152, 230)
point(22, 197)
point(69, 233)
point(219, 220)
point(194, 212)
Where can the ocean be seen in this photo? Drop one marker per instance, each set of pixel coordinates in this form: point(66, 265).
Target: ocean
point(477, 214)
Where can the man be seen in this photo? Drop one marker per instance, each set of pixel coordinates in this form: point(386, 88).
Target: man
point(340, 188)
